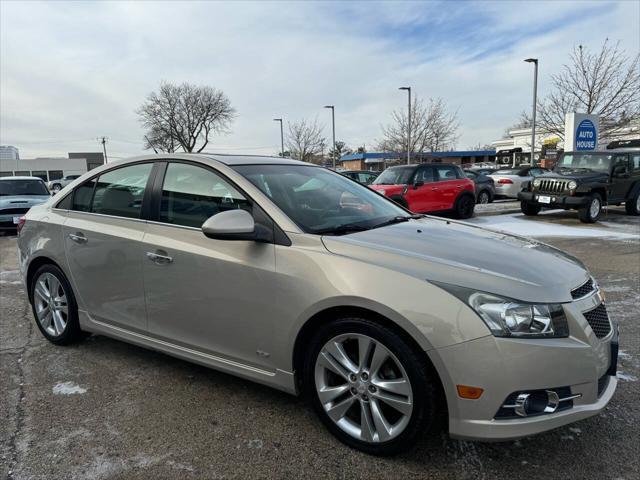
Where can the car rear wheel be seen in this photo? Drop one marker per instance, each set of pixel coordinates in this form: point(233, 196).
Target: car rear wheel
point(591, 213)
point(369, 387)
point(632, 206)
point(464, 206)
point(530, 209)
point(54, 306)
point(56, 187)
point(484, 197)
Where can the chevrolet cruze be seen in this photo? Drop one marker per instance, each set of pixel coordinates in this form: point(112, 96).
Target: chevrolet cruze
point(296, 277)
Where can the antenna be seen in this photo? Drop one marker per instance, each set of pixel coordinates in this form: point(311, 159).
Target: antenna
point(150, 144)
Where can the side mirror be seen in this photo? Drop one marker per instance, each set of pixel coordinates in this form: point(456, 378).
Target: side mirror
point(417, 184)
point(230, 225)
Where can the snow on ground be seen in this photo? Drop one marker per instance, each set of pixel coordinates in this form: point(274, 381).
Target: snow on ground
point(519, 224)
point(67, 388)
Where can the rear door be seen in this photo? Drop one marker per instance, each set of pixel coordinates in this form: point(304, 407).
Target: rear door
point(102, 237)
point(448, 185)
point(422, 192)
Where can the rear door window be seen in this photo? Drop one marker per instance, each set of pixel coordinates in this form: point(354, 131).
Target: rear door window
point(446, 172)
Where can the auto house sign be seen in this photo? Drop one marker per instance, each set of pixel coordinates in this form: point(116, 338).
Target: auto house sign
point(586, 136)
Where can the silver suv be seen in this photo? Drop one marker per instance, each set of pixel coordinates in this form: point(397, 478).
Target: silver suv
point(56, 185)
point(293, 276)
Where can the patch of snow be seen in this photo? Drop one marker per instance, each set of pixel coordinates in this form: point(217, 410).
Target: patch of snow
point(256, 443)
point(68, 388)
point(10, 277)
point(625, 377)
point(575, 430)
point(566, 437)
point(519, 224)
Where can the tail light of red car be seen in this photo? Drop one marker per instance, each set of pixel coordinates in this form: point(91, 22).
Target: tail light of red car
point(505, 181)
point(20, 224)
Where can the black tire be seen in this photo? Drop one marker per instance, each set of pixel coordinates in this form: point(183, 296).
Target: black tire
point(530, 209)
point(56, 187)
point(72, 332)
point(400, 201)
point(421, 378)
point(465, 204)
point(632, 206)
point(586, 214)
point(484, 197)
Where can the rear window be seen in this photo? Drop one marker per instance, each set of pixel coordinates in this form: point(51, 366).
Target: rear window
point(22, 187)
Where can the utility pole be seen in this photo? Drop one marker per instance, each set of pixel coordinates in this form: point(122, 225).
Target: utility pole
point(533, 115)
point(103, 141)
point(333, 127)
point(408, 89)
point(281, 135)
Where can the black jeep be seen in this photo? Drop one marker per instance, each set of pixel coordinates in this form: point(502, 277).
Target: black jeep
point(585, 181)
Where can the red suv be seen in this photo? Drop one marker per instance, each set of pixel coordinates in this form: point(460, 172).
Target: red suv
point(432, 187)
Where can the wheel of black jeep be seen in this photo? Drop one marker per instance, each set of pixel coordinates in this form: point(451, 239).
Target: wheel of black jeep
point(591, 213)
point(530, 209)
point(464, 206)
point(632, 206)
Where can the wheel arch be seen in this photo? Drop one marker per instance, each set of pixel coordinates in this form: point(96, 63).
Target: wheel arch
point(312, 324)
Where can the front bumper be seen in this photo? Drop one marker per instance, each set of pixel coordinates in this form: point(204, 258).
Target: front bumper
point(502, 366)
point(557, 201)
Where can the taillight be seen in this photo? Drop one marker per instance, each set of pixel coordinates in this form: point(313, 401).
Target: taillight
point(20, 224)
point(505, 181)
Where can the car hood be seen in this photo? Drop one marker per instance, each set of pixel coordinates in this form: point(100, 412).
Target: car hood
point(22, 201)
point(465, 255)
point(576, 175)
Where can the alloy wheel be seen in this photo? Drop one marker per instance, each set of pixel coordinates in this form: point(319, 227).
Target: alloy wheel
point(483, 198)
point(363, 388)
point(52, 308)
point(594, 209)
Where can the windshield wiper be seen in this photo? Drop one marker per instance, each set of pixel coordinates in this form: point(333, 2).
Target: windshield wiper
point(398, 219)
point(342, 229)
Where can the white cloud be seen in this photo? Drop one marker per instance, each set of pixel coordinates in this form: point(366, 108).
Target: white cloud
point(71, 72)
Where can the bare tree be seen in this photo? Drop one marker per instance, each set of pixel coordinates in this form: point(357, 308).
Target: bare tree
point(184, 117)
point(605, 83)
point(432, 128)
point(304, 139)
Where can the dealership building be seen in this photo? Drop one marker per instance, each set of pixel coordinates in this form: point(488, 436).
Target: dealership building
point(378, 161)
point(49, 168)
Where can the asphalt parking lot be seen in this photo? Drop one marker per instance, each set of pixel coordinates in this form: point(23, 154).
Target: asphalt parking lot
point(105, 409)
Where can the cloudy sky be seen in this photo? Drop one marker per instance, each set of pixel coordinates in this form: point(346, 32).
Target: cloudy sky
point(70, 72)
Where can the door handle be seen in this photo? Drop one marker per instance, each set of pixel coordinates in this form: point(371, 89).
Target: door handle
point(434, 189)
point(78, 237)
point(159, 258)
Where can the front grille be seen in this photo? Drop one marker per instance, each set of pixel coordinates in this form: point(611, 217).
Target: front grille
point(583, 290)
point(602, 384)
point(13, 211)
point(599, 321)
point(552, 186)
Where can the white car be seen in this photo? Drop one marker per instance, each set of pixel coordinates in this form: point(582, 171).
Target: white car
point(509, 181)
point(56, 185)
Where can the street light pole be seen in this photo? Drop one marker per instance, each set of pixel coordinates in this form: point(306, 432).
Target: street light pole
point(281, 135)
point(333, 128)
point(533, 116)
point(408, 89)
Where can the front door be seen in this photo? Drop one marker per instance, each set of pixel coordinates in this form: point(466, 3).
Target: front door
point(203, 293)
point(102, 235)
point(621, 180)
point(422, 193)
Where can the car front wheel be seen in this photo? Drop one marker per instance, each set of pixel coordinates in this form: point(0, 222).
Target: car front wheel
point(369, 387)
point(530, 209)
point(465, 204)
point(484, 197)
point(591, 213)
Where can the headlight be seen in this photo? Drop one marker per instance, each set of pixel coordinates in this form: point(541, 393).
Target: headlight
point(537, 182)
point(572, 185)
point(506, 317)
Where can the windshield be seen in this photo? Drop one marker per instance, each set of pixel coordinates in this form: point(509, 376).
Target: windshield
point(321, 201)
point(22, 187)
point(597, 162)
point(395, 176)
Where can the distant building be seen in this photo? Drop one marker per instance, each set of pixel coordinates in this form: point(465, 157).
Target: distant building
point(9, 152)
point(51, 168)
point(378, 161)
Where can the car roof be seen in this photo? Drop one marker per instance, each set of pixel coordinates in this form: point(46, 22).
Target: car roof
point(21, 178)
point(229, 159)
